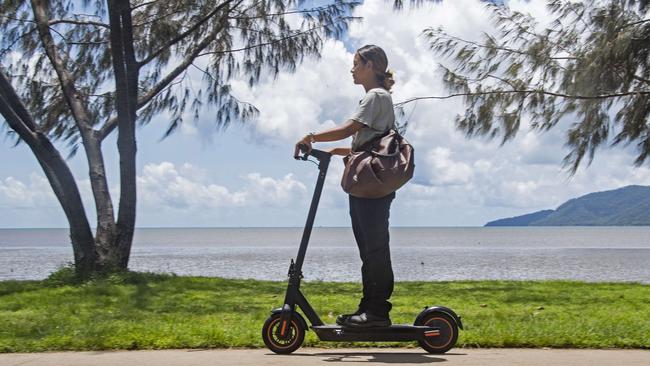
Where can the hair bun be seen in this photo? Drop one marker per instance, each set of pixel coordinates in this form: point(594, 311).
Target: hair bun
point(389, 79)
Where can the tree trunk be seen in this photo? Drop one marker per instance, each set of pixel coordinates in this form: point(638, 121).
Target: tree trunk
point(61, 179)
point(57, 172)
point(126, 72)
point(106, 230)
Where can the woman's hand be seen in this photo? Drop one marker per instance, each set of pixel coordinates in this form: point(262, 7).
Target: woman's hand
point(304, 141)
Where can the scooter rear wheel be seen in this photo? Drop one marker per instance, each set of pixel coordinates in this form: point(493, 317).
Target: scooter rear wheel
point(447, 337)
point(271, 335)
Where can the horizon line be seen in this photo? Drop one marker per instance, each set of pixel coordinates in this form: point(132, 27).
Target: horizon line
point(242, 227)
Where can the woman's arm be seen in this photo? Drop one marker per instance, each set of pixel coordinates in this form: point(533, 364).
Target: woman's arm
point(343, 151)
point(344, 130)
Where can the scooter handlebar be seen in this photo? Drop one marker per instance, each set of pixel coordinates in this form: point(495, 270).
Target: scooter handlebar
point(318, 154)
point(305, 152)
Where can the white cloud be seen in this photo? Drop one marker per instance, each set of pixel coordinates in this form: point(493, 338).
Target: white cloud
point(34, 194)
point(316, 96)
point(444, 170)
point(276, 192)
point(163, 185)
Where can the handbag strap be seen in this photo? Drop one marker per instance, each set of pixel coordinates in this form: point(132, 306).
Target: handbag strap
point(367, 147)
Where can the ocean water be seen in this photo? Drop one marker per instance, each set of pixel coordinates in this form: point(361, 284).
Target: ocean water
point(618, 254)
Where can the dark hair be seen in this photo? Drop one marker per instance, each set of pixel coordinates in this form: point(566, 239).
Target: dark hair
point(379, 60)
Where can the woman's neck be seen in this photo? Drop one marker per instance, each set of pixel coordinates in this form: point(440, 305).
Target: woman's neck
point(371, 85)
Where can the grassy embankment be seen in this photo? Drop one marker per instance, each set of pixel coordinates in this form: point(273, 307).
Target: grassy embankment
point(144, 311)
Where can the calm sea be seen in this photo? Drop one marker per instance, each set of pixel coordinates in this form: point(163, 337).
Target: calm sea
point(431, 254)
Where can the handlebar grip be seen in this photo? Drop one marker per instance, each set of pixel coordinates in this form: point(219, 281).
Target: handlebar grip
point(305, 151)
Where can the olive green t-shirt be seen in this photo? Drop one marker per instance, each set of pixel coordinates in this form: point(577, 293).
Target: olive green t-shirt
point(375, 111)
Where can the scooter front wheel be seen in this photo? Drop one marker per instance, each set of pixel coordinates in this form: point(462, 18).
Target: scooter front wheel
point(445, 339)
point(294, 334)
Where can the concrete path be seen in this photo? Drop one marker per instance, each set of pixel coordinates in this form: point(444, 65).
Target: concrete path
point(329, 356)
point(343, 356)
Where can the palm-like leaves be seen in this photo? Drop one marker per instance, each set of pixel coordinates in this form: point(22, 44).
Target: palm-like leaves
point(591, 65)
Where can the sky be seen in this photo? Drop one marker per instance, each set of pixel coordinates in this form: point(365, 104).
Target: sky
point(246, 176)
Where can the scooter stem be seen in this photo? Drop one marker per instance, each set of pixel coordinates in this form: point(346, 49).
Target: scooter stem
point(324, 160)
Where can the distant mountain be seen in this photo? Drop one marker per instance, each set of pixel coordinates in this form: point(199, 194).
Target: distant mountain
point(624, 206)
point(523, 220)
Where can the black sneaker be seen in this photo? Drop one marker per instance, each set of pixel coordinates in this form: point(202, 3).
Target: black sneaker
point(365, 320)
point(340, 320)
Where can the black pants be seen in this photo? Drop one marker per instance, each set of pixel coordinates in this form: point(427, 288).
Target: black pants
point(370, 227)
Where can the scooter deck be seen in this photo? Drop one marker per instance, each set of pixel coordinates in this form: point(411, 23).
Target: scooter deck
point(394, 333)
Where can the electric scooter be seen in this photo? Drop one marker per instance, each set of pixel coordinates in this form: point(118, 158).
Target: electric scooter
point(435, 328)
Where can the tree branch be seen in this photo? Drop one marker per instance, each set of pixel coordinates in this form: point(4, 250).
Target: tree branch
point(500, 48)
point(182, 36)
point(17, 19)
point(107, 128)
point(65, 78)
point(156, 18)
point(636, 77)
point(14, 111)
point(111, 124)
point(320, 8)
point(529, 91)
point(206, 73)
point(8, 48)
point(633, 24)
point(187, 61)
point(78, 22)
point(143, 4)
point(87, 43)
point(275, 40)
point(506, 81)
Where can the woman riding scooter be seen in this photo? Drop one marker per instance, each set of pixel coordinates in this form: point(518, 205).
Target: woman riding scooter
point(373, 118)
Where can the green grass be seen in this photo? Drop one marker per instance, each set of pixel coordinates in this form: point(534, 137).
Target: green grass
point(146, 311)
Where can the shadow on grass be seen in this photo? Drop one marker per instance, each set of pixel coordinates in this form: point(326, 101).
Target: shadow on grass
point(141, 296)
point(14, 287)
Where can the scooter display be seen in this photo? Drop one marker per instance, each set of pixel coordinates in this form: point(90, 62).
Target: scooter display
point(435, 328)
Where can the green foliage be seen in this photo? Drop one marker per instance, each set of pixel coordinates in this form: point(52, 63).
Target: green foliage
point(68, 276)
point(148, 311)
point(187, 53)
point(592, 66)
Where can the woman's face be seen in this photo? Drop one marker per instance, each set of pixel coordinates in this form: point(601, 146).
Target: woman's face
point(361, 73)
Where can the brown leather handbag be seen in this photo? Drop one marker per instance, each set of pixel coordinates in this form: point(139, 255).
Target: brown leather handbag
point(385, 165)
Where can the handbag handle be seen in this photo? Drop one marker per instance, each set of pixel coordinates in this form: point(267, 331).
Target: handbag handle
point(397, 139)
